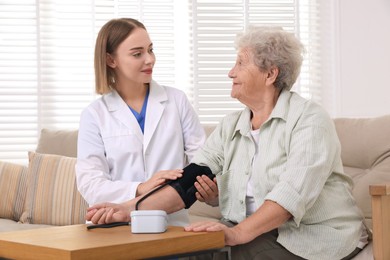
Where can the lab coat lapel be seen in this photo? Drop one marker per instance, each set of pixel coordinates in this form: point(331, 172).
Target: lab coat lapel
point(154, 111)
point(121, 111)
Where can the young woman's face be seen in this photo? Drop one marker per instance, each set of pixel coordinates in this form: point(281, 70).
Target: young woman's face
point(134, 59)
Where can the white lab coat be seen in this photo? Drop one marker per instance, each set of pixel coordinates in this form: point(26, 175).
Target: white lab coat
point(114, 156)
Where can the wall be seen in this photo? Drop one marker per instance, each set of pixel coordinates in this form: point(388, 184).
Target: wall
point(363, 58)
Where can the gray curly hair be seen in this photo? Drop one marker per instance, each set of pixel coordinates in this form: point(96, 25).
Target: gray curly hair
point(274, 47)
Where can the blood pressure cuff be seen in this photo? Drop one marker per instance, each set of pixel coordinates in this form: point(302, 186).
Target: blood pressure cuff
point(185, 185)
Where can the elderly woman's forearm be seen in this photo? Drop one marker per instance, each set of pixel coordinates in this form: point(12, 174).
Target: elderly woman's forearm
point(268, 217)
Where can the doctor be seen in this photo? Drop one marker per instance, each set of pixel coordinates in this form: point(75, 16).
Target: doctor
point(137, 131)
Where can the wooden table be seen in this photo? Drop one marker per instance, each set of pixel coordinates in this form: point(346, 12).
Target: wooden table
point(76, 242)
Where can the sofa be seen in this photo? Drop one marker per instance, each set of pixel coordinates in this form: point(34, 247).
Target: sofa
point(44, 193)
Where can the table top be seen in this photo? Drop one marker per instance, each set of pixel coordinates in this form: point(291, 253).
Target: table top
point(76, 242)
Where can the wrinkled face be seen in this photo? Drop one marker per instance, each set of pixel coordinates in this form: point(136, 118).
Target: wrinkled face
point(248, 80)
point(134, 59)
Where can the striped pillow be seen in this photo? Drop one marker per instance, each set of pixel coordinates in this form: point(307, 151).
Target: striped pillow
point(13, 186)
point(52, 195)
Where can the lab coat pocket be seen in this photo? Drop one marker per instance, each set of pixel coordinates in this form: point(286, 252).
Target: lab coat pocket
point(122, 142)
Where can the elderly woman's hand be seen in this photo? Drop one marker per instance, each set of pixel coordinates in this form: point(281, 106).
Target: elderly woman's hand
point(108, 212)
point(231, 234)
point(207, 190)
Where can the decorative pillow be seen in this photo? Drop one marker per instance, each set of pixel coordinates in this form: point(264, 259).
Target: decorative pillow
point(60, 142)
point(52, 195)
point(13, 186)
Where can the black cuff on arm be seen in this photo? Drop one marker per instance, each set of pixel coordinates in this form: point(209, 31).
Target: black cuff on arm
point(185, 185)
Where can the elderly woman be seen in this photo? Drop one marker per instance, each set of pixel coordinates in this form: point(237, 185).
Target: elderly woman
point(282, 191)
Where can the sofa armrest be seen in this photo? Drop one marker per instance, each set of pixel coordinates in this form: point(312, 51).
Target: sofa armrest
point(380, 202)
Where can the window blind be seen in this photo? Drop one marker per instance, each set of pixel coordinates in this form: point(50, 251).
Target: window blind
point(18, 78)
point(65, 60)
point(46, 75)
point(215, 25)
point(47, 46)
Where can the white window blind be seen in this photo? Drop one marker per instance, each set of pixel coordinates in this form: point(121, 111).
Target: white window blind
point(46, 75)
point(65, 38)
point(215, 25)
point(18, 78)
point(46, 69)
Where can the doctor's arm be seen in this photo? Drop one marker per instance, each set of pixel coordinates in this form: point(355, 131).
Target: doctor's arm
point(94, 180)
point(166, 199)
point(92, 169)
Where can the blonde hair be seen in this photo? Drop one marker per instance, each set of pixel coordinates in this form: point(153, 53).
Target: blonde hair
point(110, 36)
point(274, 47)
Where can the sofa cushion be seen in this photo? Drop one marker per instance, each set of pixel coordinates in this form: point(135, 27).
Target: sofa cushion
point(200, 211)
point(52, 195)
point(365, 152)
point(60, 142)
point(8, 225)
point(13, 186)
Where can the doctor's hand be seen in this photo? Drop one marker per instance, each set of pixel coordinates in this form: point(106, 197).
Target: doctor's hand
point(207, 190)
point(158, 179)
point(104, 213)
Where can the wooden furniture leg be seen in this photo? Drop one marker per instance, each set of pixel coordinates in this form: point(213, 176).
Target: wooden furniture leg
point(380, 202)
